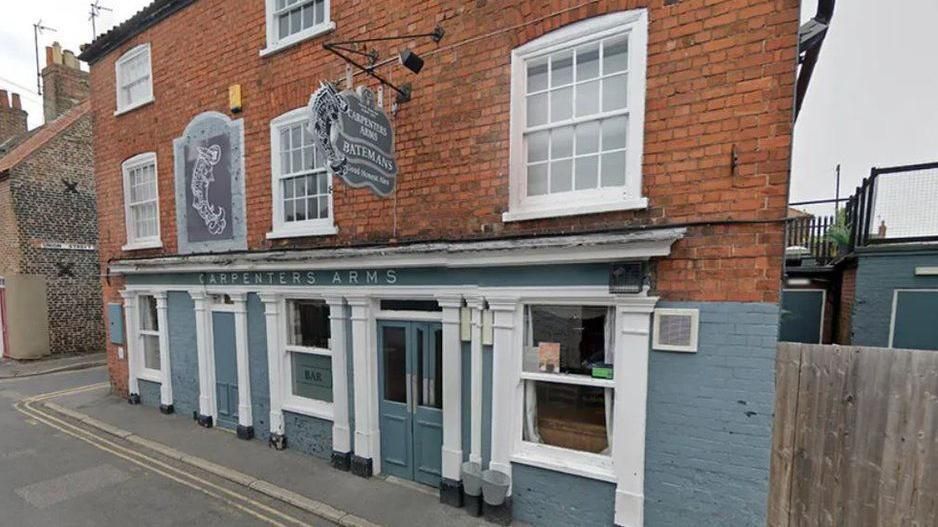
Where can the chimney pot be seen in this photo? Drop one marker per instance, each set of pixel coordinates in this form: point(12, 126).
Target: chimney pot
point(70, 60)
point(16, 102)
point(4, 103)
point(49, 55)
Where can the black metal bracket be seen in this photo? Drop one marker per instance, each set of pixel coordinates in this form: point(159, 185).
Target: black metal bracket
point(343, 50)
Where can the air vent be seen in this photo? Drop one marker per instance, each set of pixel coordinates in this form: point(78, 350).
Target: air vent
point(676, 330)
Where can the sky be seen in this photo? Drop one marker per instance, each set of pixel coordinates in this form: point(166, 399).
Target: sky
point(873, 100)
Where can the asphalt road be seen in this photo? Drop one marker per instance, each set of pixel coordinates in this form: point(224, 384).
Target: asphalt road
point(50, 477)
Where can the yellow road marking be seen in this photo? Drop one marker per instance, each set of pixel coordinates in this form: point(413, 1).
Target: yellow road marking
point(25, 407)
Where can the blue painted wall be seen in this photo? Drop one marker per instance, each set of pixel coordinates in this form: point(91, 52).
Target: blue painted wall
point(466, 400)
point(149, 392)
point(709, 427)
point(546, 499)
point(878, 275)
point(184, 359)
point(308, 434)
point(257, 365)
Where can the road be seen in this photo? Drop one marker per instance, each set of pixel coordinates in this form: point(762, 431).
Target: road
point(53, 473)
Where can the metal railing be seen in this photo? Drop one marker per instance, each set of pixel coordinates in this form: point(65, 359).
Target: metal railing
point(895, 205)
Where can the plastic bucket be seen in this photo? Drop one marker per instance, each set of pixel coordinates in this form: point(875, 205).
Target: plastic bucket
point(494, 487)
point(472, 478)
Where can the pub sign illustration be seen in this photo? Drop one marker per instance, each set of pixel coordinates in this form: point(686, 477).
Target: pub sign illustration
point(355, 135)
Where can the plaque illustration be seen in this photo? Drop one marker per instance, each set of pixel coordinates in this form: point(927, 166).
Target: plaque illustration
point(202, 178)
point(326, 107)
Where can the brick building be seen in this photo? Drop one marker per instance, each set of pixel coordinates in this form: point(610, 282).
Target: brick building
point(585, 228)
point(51, 302)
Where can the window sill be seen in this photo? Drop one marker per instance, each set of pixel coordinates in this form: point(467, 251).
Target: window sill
point(583, 464)
point(299, 232)
point(150, 375)
point(532, 213)
point(137, 246)
point(292, 40)
point(132, 107)
point(298, 405)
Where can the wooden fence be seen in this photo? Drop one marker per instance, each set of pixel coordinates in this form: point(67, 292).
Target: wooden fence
point(855, 440)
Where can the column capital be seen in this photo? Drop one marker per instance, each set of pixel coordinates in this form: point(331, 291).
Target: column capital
point(130, 297)
point(158, 295)
point(269, 300)
point(198, 295)
point(503, 303)
point(636, 304)
point(449, 301)
point(358, 300)
point(334, 300)
point(475, 302)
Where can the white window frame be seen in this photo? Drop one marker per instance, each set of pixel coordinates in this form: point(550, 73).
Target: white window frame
point(633, 23)
point(147, 374)
point(133, 242)
point(281, 229)
point(586, 464)
point(130, 55)
point(294, 403)
point(694, 315)
point(275, 43)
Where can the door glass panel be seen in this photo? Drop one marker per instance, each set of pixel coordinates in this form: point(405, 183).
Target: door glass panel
point(422, 367)
point(431, 373)
point(437, 382)
point(395, 364)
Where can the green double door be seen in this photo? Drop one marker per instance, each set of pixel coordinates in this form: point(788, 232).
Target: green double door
point(410, 372)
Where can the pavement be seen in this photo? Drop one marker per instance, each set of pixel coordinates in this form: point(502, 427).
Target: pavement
point(10, 368)
point(90, 447)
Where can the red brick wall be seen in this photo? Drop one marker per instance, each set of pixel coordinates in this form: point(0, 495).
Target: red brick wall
point(848, 292)
point(720, 73)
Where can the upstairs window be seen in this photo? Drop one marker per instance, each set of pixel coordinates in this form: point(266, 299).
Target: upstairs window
point(578, 117)
point(141, 202)
point(301, 184)
point(290, 21)
point(134, 79)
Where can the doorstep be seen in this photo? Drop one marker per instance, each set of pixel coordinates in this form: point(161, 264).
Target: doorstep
point(295, 474)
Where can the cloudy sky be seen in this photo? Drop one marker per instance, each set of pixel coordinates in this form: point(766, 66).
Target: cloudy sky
point(873, 100)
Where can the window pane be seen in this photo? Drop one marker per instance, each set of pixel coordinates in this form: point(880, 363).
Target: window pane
point(284, 25)
point(151, 352)
point(614, 133)
point(299, 209)
point(561, 69)
point(614, 169)
point(289, 210)
point(147, 307)
point(395, 364)
point(561, 176)
point(566, 339)
point(537, 75)
point(324, 207)
point(312, 376)
point(587, 98)
point(288, 188)
point(430, 369)
point(568, 416)
point(615, 55)
point(587, 172)
point(561, 104)
point(297, 160)
point(537, 109)
point(561, 142)
point(615, 93)
point(587, 138)
point(295, 21)
point(587, 63)
point(320, 11)
point(537, 179)
point(537, 146)
point(308, 323)
point(307, 16)
point(323, 183)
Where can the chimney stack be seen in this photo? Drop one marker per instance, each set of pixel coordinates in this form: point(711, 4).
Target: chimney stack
point(12, 118)
point(64, 84)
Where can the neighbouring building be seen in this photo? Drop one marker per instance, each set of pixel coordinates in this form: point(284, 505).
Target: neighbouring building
point(565, 266)
point(870, 276)
point(50, 289)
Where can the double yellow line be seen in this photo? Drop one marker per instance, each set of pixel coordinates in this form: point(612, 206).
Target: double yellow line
point(237, 500)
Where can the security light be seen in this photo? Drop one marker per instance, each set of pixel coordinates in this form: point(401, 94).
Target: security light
point(411, 61)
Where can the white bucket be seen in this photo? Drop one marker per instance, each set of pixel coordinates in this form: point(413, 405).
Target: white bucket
point(494, 487)
point(472, 478)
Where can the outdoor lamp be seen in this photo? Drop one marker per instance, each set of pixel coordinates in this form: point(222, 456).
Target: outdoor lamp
point(411, 61)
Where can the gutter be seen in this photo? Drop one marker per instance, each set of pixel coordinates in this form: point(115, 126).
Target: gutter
point(810, 39)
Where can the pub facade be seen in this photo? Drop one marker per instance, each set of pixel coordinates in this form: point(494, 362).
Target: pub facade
point(540, 239)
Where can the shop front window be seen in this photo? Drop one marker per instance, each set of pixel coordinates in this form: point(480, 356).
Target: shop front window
point(567, 373)
point(310, 356)
point(149, 337)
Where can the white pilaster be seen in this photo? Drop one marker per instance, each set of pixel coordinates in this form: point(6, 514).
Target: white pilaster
point(632, 347)
point(245, 417)
point(272, 313)
point(365, 382)
point(452, 388)
point(341, 431)
point(203, 340)
point(506, 365)
point(130, 336)
point(475, 368)
point(166, 382)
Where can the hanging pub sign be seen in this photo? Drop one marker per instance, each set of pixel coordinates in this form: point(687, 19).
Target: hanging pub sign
point(355, 136)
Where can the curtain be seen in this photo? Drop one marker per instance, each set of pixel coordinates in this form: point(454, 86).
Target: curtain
point(609, 392)
point(530, 388)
